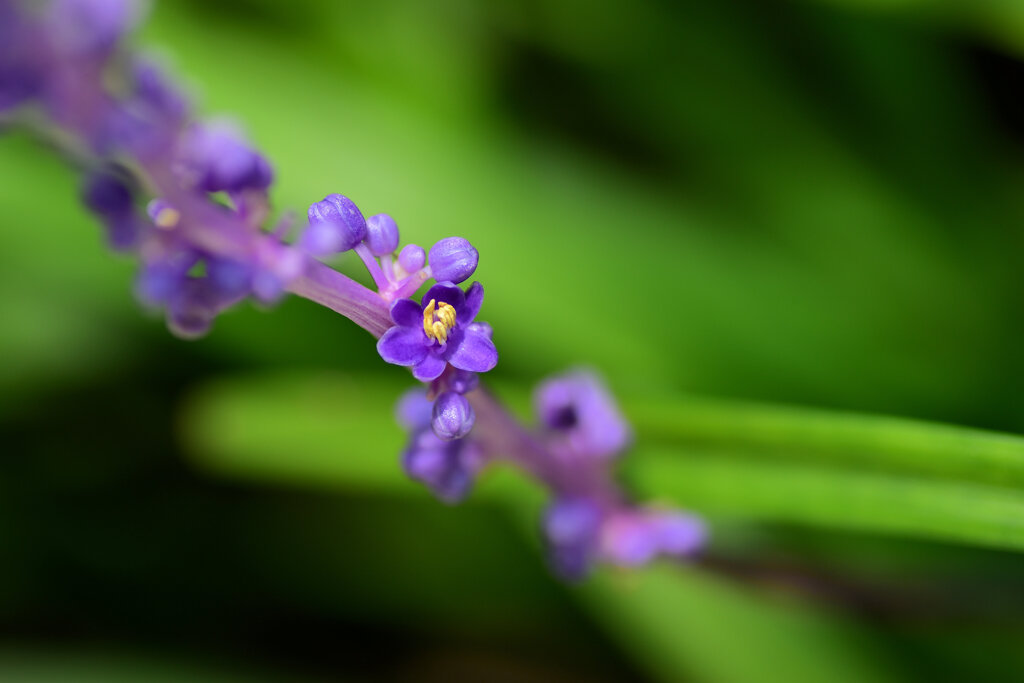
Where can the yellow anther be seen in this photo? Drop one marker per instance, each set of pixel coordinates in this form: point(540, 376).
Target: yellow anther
point(438, 320)
point(446, 314)
point(167, 218)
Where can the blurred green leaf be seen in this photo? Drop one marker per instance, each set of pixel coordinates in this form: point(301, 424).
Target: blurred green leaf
point(864, 442)
point(685, 624)
point(857, 472)
point(749, 488)
point(333, 431)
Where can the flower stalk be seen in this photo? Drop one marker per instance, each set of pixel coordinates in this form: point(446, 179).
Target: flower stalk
point(204, 244)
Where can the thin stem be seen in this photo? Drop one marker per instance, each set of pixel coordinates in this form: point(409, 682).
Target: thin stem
point(388, 266)
point(409, 285)
point(371, 264)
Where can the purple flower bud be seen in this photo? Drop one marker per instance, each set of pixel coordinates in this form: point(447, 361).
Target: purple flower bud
point(446, 467)
point(629, 540)
point(111, 199)
point(219, 161)
point(412, 258)
point(267, 287)
point(680, 534)
point(157, 92)
point(381, 234)
point(123, 231)
point(571, 527)
point(335, 225)
point(454, 259)
point(414, 410)
point(107, 195)
point(189, 322)
point(159, 281)
point(191, 312)
point(452, 417)
point(632, 538)
point(230, 279)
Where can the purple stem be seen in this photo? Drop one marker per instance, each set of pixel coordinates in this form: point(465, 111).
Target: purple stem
point(328, 287)
point(371, 264)
point(409, 285)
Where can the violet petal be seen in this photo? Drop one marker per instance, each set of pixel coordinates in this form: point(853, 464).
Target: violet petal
point(476, 353)
point(447, 292)
point(402, 346)
point(407, 313)
point(429, 368)
point(474, 299)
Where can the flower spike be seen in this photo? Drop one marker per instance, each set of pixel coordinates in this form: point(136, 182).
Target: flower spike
point(207, 241)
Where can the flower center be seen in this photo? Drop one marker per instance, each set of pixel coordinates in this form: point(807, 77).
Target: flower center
point(438, 320)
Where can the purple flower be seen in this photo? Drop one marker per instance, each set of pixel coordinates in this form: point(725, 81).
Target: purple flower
point(632, 538)
point(579, 411)
point(580, 531)
point(439, 331)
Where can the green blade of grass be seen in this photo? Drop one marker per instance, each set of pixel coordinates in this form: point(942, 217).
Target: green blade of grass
point(746, 488)
point(865, 442)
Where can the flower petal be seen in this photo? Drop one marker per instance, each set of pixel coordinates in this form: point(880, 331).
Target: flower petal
point(403, 345)
point(474, 299)
point(447, 292)
point(407, 313)
point(475, 353)
point(430, 368)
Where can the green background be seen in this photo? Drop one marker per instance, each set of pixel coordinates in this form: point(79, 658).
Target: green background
point(767, 224)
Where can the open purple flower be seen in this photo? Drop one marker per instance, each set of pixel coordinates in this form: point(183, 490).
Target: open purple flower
point(581, 415)
point(438, 331)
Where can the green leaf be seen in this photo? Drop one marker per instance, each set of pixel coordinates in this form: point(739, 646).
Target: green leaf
point(686, 624)
point(746, 488)
point(864, 442)
point(760, 463)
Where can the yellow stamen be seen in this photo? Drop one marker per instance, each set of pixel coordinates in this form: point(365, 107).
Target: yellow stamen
point(167, 218)
point(438, 320)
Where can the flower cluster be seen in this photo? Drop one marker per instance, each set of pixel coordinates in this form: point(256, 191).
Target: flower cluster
point(584, 432)
point(190, 200)
point(580, 435)
point(438, 337)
